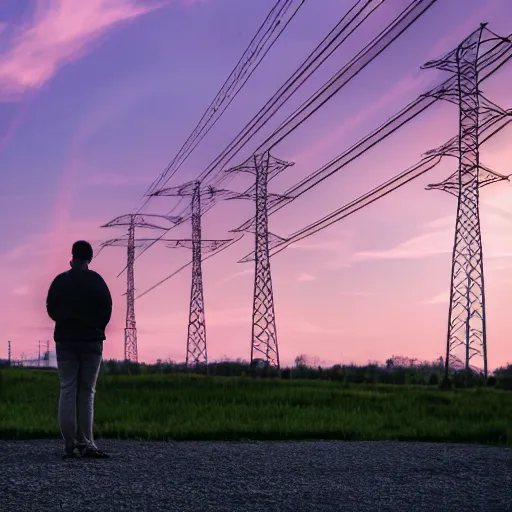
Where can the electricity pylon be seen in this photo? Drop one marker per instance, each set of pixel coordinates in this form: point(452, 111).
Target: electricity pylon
point(264, 331)
point(133, 221)
point(466, 338)
point(196, 337)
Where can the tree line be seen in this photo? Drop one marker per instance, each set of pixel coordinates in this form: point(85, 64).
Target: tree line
point(397, 370)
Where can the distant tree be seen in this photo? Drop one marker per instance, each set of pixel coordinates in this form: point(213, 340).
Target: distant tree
point(301, 361)
point(503, 377)
point(257, 362)
point(433, 379)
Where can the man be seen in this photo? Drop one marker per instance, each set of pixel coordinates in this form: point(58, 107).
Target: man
point(80, 304)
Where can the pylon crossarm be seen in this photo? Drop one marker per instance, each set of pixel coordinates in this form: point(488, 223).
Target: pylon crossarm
point(139, 220)
point(206, 245)
point(186, 189)
point(488, 176)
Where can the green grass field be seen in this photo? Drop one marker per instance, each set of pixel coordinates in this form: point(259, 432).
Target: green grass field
point(182, 407)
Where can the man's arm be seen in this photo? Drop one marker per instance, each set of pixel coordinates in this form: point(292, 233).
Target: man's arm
point(52, 300)
point(104, 302)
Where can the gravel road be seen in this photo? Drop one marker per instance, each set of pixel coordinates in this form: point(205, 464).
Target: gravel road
point(257, 476)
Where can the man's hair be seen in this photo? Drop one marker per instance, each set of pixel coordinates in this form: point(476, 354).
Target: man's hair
point(82, 250)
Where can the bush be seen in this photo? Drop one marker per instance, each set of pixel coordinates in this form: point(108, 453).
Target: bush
point(446, 384)
point(400, 372)
point(504, 377)
point(433, 379)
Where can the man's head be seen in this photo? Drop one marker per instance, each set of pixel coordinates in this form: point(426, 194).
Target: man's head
point(82, 251)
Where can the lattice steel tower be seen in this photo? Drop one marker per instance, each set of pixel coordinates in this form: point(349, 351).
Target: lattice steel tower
point(133, 221)
point(196, 337)
point(466, 339)
point(130, 330)
point(264, 331)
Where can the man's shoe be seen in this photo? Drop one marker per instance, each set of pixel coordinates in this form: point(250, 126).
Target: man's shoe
point(90, 452)
point(72, 453)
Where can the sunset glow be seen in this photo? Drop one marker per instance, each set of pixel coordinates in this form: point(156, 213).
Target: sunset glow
point(95, 102)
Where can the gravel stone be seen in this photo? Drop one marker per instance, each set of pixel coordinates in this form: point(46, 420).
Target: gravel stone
point(304, 476)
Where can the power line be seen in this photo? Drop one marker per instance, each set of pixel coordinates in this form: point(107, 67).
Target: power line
point(349, 71)
point(268, 33)
point(400, 24)
point(355, 16)
point(491, 61)
point(223, 248)
point(351, 21)
point(410, 14)
point(425, 165)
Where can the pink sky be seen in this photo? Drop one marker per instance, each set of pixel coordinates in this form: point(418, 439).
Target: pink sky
point(97, 99)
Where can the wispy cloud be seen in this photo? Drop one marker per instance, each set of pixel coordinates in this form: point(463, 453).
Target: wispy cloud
point(400, 89)
point(337, 242)
point(21, 291)
point(499, 264)
point(422, 246)
point(447, 222)
point(440, 298)
point(216, 317)
point(340, 244)
point(16, 122)
point(59, 32)
point(303, 326)
point(36, 245)
point(321, 246)
point(304, 277)
point(337, 264)
point(223, 317)
point(110, 179)
point(190, 3)
point(454, 36)
point(436, 236)
point(236, 275)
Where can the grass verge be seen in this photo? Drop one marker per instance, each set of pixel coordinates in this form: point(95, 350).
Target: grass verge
point(184, 407)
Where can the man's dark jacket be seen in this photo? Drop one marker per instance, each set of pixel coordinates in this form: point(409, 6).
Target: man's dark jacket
point(80, 304)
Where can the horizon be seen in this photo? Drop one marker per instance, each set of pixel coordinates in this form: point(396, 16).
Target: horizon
point(308, 363)
point(114, 90)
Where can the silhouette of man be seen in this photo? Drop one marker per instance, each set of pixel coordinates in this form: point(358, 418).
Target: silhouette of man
point(80, 304)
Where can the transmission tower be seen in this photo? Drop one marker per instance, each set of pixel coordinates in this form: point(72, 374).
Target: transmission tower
point(133, 221)
point(196, 337)
point(466, 338)
point(264, 333)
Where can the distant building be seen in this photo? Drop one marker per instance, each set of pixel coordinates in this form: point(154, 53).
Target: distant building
point(4, 362)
